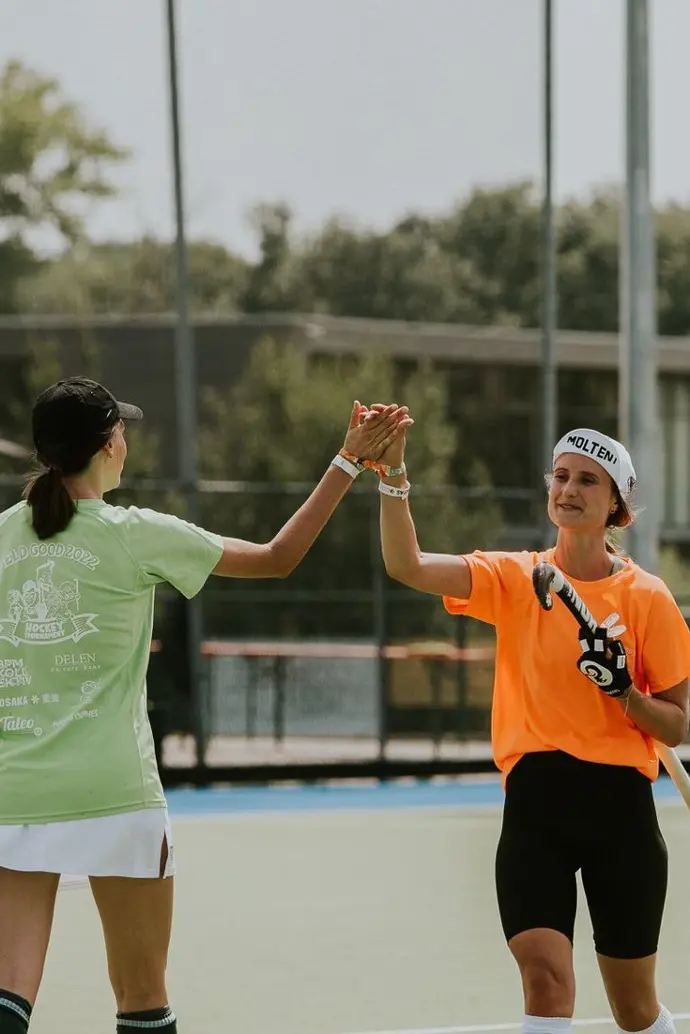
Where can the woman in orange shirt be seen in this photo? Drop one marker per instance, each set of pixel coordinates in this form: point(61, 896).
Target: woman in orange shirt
point(578, 761)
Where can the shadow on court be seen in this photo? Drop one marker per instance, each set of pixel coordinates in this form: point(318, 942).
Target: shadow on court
point(340, 923)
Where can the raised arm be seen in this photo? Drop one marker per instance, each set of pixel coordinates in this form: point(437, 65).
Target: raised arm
point(443, 574)
point(369, 434)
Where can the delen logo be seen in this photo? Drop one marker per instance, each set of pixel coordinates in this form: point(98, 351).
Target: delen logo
point(70, 662)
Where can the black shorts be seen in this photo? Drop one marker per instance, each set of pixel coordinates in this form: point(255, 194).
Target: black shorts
point(562, 815)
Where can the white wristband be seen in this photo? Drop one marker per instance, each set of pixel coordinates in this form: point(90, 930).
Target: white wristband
point(349, 468)
point(393, 491)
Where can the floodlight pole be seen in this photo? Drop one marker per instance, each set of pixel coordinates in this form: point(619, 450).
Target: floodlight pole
point(638, 391)
point(549, 300)
point(185, 392)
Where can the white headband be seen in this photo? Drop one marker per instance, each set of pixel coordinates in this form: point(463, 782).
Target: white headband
point(607, 452)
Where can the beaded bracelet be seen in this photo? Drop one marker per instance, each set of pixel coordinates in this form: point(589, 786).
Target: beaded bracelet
point(384, 470)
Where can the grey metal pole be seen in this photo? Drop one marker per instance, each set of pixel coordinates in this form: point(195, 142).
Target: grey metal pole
point(549, 300)
point(380, 625)
point(638, 389)
point(185, 390)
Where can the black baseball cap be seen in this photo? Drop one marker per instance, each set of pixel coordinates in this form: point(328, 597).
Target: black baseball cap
point(74, 411)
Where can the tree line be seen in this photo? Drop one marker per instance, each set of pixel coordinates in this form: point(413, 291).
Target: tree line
point(477, 263)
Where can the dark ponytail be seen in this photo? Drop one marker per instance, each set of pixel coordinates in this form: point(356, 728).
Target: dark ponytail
point(52, 507)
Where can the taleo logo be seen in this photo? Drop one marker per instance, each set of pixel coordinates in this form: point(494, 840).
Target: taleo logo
point(592, 448)
point(12, 723)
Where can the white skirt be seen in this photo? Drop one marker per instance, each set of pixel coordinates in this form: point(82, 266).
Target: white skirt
point(129, 844)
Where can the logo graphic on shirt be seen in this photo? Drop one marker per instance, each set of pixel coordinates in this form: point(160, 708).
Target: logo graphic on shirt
point(80, 716)
point(88, 689)
point(13, 723)
point(71, 662)
point(44, 611)
point(55, 550)
point(14, 673)
point(597, 673)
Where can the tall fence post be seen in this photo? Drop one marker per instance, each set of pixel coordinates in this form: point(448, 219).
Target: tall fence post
point(460, 628)
point(639, 425)
point(186, 389)
point(380, 621)
point(549, 290)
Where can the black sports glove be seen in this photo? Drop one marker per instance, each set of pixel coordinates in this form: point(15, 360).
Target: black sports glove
point(604, 663)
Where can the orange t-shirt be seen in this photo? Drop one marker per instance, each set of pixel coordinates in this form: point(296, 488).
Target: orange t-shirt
point(541, 701)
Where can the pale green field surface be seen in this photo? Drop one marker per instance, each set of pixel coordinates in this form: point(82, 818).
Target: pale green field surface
point(340, 922)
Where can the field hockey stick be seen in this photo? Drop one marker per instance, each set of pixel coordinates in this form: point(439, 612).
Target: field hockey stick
point(546, 580)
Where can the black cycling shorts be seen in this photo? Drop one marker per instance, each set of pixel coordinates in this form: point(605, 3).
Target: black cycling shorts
point(563, 815)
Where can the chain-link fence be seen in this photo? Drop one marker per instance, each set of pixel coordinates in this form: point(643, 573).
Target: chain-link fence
point(338, 664)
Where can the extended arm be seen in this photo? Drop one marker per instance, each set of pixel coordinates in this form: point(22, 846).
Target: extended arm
point(443, 574)
point(369, 434)
point(279, 557)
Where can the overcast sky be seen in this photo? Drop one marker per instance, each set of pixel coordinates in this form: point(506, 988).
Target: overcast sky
point(362, 107)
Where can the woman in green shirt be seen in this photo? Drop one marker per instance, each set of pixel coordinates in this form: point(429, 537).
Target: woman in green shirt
point(79, 785)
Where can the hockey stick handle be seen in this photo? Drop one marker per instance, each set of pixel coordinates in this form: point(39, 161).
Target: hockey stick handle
point(546, 580)
point(676, 770)
point(567, 594)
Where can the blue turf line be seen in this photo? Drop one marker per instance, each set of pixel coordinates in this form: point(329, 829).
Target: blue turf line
point(379, 797)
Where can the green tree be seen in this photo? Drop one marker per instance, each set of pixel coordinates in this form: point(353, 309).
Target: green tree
point(44, 366)
point(51, 164)
point(405, 274)
point(135, 277)
point(476, 265)
point(673, 269)
point(479, 263)
point(496, 233)
point(588, 277)
point(274, 283)
point(274, 434)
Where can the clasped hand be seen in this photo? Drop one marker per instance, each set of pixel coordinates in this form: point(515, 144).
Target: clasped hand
point(373, 431)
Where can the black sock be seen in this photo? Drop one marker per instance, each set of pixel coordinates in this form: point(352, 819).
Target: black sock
point(153, 1020)
point(15, 1013)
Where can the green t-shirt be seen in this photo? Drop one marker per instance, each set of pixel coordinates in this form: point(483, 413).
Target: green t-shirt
point(76, 617)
